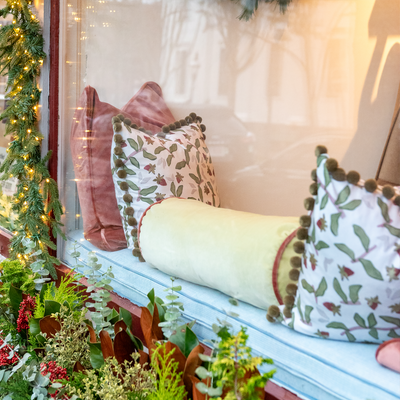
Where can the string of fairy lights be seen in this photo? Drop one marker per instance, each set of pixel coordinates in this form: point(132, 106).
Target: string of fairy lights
point(36, 201)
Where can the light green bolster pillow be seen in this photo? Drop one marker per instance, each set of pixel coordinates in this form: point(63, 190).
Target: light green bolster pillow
point(231, 251)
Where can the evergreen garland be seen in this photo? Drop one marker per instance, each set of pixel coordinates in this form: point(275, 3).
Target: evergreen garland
point(36, 201)
point(250, 6)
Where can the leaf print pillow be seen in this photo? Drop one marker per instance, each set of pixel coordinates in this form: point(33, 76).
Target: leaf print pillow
point(148, 168)
point(348, 276)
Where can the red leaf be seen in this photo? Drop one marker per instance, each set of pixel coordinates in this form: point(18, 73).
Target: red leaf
point(192, 362)
point(106, 344)
point(149, 324)
point(123, 347)
point(49, 325)
point(92, 334)
point(78, 367)
point(120, 325)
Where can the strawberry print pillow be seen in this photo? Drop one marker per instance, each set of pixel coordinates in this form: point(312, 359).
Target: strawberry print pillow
point(348, 275)
point(148, 168)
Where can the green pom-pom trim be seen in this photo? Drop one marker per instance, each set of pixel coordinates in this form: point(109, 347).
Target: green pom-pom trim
point(136, 252)
point(117, 127)
point(388, 191)
point(119, 163)
point(122, 174)
point(353, 177)
point(141, 259)
point(314, 189)
point(295, 262)
point(397, 201)
point(118, 150)
point(291, 289)
point(132, 221)
point(339, 175)
point(134, 126)
point(129, 211)
point(309, 203)
point(370, 185)
point(124, 186)
point(302, 233)
point(305, 221)
point(203, 127)
point(189, 120)
point(136, 244)
point(161, 135)
point(177, 124)
point(320, 150)
point(331, 164)
point(193, 115)
point(270, 319)
point(141, 129)
point(134, 232)
point(172, 127)
point(183, 122)
point(120, 117)
point(127, 198)
point(314, 175)
point(115, 119)
point(118, 138)
point(298, 247)
point(287, 312)
point(165, 129)
point(127, 121)
point(288, 301)
point(274, 311)
point(294, 274)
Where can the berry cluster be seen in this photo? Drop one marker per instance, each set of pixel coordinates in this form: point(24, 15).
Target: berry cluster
point(5, 355)
point(25, 313)
point(56, 373)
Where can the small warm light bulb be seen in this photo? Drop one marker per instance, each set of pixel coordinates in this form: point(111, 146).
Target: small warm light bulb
point(29, 131)
point(25, 188)
point(47, 180)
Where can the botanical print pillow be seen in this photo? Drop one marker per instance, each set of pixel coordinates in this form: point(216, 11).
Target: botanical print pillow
point(348, 286)
point(149, 168)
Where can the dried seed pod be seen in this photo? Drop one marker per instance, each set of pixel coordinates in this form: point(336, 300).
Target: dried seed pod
point(388, 191)
point(118, 150)
point(134, 232)
point(117, 127)
point(118, 138)
point(370, 185)
point(122, 174)
point(294, 274)
point(295, 262)
point(320, 150)
point(287, 312)
point(353, 177)
point(339, 175)
point(270, 319)
point(302, 233)
point(314, 189)
point(305, 221)
point(166, 129)
point(132, 221)
point(288, 301)
point(124, 186)
point(291, 289)
point(298, 247)
point(119, 163)
point(127, 198)
point(397, 201)
point(136, 252)
point(129, 211)
point(309, 203)
point(314, 175)
point(331, 164)
point(274, 311)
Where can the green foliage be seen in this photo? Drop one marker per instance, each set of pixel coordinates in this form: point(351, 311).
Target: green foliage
point(7, 216)
point(69, 344)
point(66, 293)
point(12, 272)
point(20, 388)
point(36, 201)
point(249, 7)
point(168, 383)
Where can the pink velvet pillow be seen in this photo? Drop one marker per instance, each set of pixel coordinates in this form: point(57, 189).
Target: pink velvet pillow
point(91, 139)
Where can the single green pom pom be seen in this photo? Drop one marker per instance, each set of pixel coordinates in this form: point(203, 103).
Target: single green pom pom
point(204, 136)
point(166, 129)
point(199, 119)
point(331, 164)
point(370, 185)
point(314, 189)
point(287, 312)
point(129, 211)
point(270, 319)
point(397, 201)
point(120, 117)
point(141, 129)
point(115, 119)
point(298, 247)
point(294, 274)
point(274, 311)
point(203, 127)
point(339, 175)
point(132, 221)
point(309, 203)
point(117, 127)
point(189, 120)
point(148, 132)
point(320, 150)
point(291, 289)
point(183, 122)
point(127, 121)
point(134, 126)
point(353, 177)
point(136, 244)
point(136, 252)
point(127, 198)
point(295, 262)
point(122, 174)
point(118, 150)
point(193, 115)
point(314, 175)
point(118, 138)
point(302, 233)
point(161, 135)
point(305, 221)
point(134, 232)
point(141, 259)
point(119, 163)
point(124, 186)
point(172, 127)
point(288, 301)
point(388, 191)
point(177, 124)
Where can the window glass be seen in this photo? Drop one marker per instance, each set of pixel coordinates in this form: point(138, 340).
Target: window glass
point(268, 90)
